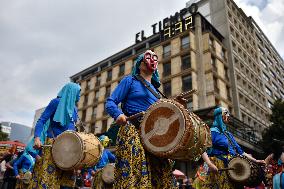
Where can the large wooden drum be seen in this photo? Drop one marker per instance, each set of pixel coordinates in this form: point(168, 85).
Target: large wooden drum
point(73, 150)
point(168, 130)
point(245, 172)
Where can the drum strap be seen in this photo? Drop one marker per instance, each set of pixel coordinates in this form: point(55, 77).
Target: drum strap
point(157, 95)
point(230, 142)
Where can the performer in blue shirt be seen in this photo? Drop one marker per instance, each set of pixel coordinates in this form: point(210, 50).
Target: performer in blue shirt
point(25, 164)
point(224, 147)
point(135, 168)
point(106, 158)
point(62, 115)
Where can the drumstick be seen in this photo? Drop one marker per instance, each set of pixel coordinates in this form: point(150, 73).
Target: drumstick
point(46, 145)
point(135, 116)
point(226, 169)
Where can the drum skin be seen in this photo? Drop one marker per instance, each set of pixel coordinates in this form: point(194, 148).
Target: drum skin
point(168, 130)
point(246, 172)
point(108, 173)
point(73, 150)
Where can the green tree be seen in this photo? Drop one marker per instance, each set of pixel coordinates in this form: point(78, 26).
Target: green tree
point(273, 136)
point(3, 136)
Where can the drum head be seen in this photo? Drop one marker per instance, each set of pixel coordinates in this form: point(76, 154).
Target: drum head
point(108, 174)
point(162, 127)
point(67, 150)
point(242, 170)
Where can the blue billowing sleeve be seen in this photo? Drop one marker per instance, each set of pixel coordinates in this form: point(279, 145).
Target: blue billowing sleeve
point(16, 164)
point(48, 112)
point(238, 148)
point(111, 156)
point(118, 95)
point(33, 154)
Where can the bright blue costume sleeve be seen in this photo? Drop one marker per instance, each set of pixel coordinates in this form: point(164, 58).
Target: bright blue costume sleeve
point(33, 154)
point(16, 164)
point(117, 96)
point(48, 112)
point(111, 156)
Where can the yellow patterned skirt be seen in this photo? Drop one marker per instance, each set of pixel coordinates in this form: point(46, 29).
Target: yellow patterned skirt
point(20, 184)
point(135, 168)
point(47, 175)
point(98, 182)
point(211, 180)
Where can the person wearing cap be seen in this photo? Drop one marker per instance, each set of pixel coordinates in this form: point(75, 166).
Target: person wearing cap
point(106, 158)
point(224, 147)
point(62, 115)
point(136, 168)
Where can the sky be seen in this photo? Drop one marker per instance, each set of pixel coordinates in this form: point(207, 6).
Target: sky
point(43, 43)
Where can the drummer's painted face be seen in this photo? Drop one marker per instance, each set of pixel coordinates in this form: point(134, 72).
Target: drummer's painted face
point(225, 115)
point(151, 60)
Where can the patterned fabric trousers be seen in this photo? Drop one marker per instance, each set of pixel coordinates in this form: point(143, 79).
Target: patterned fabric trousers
point(135, 168)
point(47, 176)
point(212, 180)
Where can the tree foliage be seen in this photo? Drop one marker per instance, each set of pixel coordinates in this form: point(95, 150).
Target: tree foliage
point(3, 136)
point(273, 136)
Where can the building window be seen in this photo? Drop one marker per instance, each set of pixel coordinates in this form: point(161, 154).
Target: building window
point(186, 83)
point(167, 88)
point(213, 63)
point(95, 110)
point(166, 69)
point(274, 87)
point(262, 63)
point(185, 62)
point(272, 74)
point(211, 44)
point(98, 81)
point(282, 94)
point(189, 105)
point(97, 95)
point(167, 51)
point(107, 91)
point(93, 128)
point(85, 100)
point(185, 42)
point(223, 54)
point(83, 115)
point(104, 126)
point(88, 86)
point(121, 70)
point(269, 104)
point(216, 88)
point(265, 77)
point(226, 74)
point(268, 91)
point(228, 93)
point(109, 75)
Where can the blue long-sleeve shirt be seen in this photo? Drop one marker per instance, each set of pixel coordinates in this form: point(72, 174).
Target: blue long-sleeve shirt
point(22, 163)
point(134, 96)
point(54, 126)
point(107, 157)
point(221, 145)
